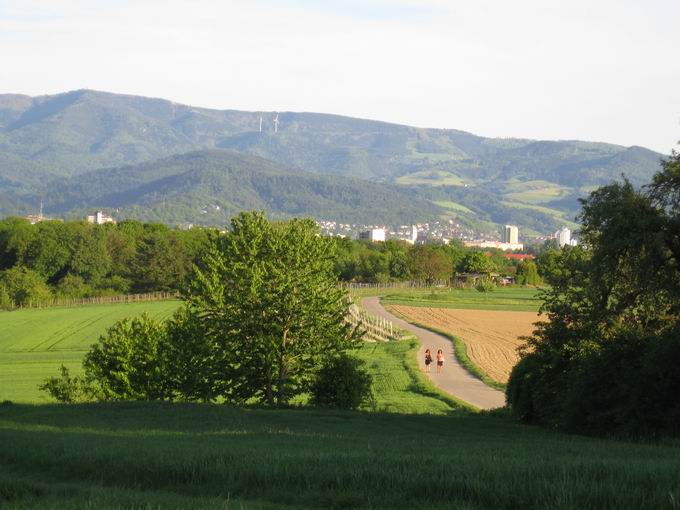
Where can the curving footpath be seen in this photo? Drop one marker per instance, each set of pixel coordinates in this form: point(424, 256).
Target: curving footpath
point(453, 379)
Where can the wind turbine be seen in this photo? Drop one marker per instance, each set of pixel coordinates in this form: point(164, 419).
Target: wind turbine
point(276, 123)
point(260, 123)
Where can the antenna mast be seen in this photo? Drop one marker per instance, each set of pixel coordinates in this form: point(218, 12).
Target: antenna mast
point(41, 209)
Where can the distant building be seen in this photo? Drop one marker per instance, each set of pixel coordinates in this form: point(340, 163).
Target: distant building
point(100, 218)
point(563, 237)
point(494, 244)
point(34, 218)
point(518, 256)
point(374, 234)
point(510, 234)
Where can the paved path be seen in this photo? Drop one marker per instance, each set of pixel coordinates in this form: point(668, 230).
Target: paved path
point(453, 379)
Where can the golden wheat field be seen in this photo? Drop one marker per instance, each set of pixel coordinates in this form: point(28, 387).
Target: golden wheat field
point(491, 336)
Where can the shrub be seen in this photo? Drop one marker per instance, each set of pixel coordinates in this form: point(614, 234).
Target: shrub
point(73, 287)
point(485, 285)
point(128, 363)
point(67, 389)
point(341, 383)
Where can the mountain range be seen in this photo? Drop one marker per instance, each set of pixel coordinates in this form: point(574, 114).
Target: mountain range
point(155, 159)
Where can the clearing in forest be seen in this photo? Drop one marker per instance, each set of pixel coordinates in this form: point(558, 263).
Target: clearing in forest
point(491, 337)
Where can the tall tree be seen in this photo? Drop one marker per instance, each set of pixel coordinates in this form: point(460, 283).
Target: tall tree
point(606, 361)
point(268, 296)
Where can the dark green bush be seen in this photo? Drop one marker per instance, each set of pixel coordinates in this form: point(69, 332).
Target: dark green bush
point(341, 383)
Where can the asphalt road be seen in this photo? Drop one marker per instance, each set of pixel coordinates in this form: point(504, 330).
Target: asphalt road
point(453, 379)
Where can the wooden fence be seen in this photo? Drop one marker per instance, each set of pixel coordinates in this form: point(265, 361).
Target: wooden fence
point(377, 329)
point(99, 300)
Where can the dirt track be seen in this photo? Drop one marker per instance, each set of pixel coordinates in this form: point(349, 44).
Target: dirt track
point(491, 336)
point(454, 379)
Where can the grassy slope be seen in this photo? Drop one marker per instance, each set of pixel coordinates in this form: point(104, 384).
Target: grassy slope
point(168, 456)
point(34, 343)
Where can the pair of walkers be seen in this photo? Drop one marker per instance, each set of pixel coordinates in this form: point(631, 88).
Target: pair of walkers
point(428, 360)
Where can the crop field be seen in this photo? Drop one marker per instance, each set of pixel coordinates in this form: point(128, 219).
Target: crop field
point(34, 343)
point(491, 337)
point(511, 298)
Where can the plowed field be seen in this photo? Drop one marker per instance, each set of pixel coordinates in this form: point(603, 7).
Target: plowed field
point(490, 336)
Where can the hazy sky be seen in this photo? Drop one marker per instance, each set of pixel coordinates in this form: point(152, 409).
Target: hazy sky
point(605, 70)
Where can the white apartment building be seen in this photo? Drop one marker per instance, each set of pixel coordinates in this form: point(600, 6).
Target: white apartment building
point(374, 234)
point(100, 218)
point(510, 234)
point(563, 237)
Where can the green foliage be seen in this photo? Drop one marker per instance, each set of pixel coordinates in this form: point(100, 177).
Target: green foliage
point(429, 263)
point(600, 365)
point(527, 273)
point(485, 285)
point(128, 363)
point(269, 300)
point(22, 286)
point(73, 286)
point(475, 261)
point(79, 259)
point(341, 383)
point(67, 389)
point(190, 354)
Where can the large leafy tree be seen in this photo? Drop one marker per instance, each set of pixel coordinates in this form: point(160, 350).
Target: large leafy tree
point(429, 263)
point(268, 297)
point(602, 362)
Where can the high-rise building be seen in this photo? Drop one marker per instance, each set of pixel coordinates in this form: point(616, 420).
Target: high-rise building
point(511, 234)
point(563, 236)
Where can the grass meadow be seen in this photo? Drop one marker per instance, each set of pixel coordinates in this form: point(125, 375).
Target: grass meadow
point(34, 343)
point(161, 455)
point(523, 299)
point(409, 447)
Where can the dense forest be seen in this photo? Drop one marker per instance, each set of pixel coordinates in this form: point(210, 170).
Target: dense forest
point(74, 259)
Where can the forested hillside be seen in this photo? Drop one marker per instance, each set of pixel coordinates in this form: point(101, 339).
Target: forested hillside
point(46, 139)
point(211, 186)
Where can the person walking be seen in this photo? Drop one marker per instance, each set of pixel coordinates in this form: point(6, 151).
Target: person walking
point(440, 361)
point(428, 360)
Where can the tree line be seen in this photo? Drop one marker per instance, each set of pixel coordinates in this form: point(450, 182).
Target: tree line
point(75, 259)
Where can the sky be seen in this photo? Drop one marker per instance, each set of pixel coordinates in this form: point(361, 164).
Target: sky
point(605, 70)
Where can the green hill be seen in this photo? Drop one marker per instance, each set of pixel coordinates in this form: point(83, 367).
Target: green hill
point(210, 186)
point(70, 134)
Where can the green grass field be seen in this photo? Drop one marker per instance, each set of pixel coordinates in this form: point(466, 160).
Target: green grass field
point(410, 447)
point(34, 343)
point(511, 298)
point(155, 455)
